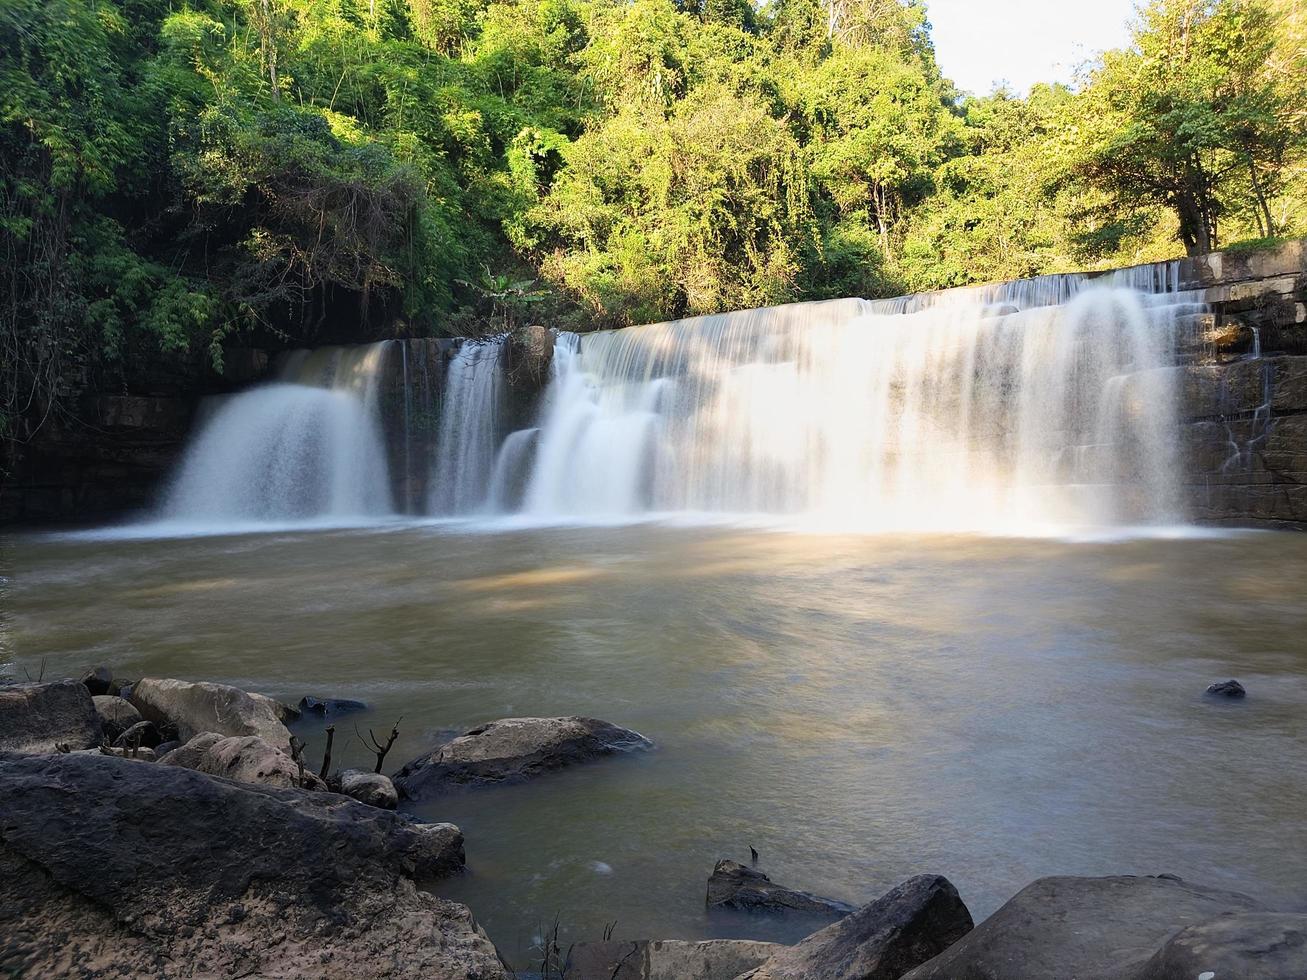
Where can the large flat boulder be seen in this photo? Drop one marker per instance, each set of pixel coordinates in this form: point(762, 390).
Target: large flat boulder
point(246, 759)
point(204, 706)
point(1087, 928)
point(1251, 946)
point(665, 959)
point(731, 885)
point(39, 717)
point(883, 940)
point(511, 750)
point(116, 869)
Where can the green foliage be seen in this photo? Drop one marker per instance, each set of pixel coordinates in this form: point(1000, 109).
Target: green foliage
point(180, 175)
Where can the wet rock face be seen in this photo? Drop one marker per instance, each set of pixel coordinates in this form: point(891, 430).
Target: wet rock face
point(1102, 928)
point(1227, 689)
point(882, 940)
point(530, 351)
point(512, 750)
point(150, 870)
point(39, 717)
point(668, 959)
point(734, 886)
point(203, 706)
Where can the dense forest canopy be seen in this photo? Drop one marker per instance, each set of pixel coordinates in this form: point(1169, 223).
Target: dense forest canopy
point(176, 176)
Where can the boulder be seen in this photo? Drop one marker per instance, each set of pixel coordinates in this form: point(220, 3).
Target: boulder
point(140, 754)
point(246, 759)
point(437, 851)
point(163, 748)
point(203, 706)
point(329, 707)
point(882, 940)
point(1101, 928)
point(143, 733)
point(98, 680)
point(38, 717)
point(1227, 689)
point(372, 788)
point(158, 871)
point(286, 714)
point(511, 750)
point(665, 959)
point(734, 886)
point(116, 715)
point(1264, 945)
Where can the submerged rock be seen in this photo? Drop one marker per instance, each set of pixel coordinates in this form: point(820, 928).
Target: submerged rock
point(511, 750)
point(734, 886)
point(158, 871)
point(247, 759)
point(666, 959)
point(41, 717)
point(116, 715)
point(203, 706)
point(1227, 689)
point(372, 788)
point(882, 940)
point(1264, 945)
point(98, 680)
point(329, 707)
point(1081, 927)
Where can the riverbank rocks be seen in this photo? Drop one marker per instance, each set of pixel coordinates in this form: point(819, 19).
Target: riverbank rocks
point(246, 759)
point(1261, 945)
point(512, 750)
point(203, 706)
point(882, 940)
point(668, 959)
point(144, 733)
point(734, 886)
point(372, 788)
point(116, 715)
point(1227, 689)
point(114, 869)
point(40, 717)
point(1101, 928)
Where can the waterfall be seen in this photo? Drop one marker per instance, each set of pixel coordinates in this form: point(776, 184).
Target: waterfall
point(470, 428)
point(303, 448)
point(1045, 402)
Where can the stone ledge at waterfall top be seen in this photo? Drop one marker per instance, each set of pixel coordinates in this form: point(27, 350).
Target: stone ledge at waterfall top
point(511, 750)
point(117, 869)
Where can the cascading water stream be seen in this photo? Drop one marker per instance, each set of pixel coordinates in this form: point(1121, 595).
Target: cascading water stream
point(1040, 403)
point(470, 422)
point(307, 447)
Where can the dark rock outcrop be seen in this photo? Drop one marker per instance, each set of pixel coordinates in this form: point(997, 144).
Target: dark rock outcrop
point(883, 940)
point(39, 717)
point(246, 759)
point(732, 885)
point(1260, 945)
point(667, 959)
point(1227, 689)
point(1091, 928)
point(511, 750)
point(372, 788)
point(203, 706)
point(530, 350)
point(115, 869)
point(143, 733)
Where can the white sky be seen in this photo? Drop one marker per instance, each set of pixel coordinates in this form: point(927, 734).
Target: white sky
point(979, 43)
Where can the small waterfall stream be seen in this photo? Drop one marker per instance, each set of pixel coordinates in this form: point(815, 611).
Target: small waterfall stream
point(306, 447)
point(1041, 403)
